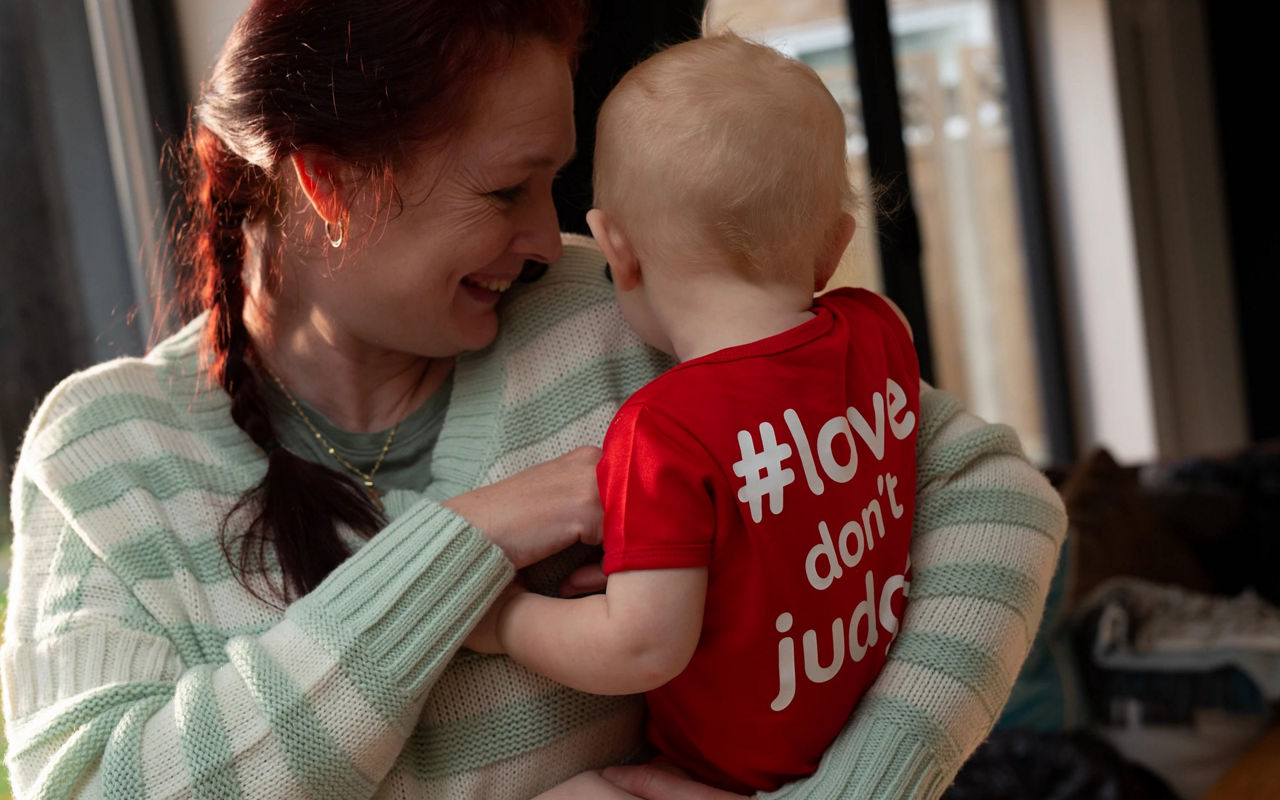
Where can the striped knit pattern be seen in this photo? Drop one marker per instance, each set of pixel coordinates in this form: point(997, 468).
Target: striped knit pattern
point(135, 666)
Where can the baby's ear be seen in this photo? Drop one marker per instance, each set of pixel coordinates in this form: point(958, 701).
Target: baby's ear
point(623, 264)
point(829, 258)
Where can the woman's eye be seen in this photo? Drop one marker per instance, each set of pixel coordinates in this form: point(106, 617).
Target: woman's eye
point(507, 195)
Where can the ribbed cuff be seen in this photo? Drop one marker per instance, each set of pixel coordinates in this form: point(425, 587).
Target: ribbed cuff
point(877, 761)
point(404, 602)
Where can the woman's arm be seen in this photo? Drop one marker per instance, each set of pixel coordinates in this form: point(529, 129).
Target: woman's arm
point(134, 659)
point(985, 540)
point(103, 697)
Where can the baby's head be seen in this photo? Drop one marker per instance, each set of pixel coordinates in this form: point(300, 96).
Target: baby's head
point(722, 151)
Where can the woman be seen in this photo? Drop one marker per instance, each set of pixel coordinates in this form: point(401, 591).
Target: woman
point(245, 564)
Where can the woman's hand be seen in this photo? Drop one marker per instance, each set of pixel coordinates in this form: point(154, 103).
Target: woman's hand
point(659, 780)
point(538, 511)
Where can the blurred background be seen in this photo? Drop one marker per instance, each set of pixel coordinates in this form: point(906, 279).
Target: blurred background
point(1061, 194)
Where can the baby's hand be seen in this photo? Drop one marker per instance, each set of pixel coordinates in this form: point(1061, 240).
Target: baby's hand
point(484, 637)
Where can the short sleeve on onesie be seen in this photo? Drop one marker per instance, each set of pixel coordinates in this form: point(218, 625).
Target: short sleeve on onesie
point(655, 485)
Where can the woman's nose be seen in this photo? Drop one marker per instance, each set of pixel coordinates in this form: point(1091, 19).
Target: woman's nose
point(542, 237)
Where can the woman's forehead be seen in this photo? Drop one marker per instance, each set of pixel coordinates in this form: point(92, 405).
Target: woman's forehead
point(524, 112)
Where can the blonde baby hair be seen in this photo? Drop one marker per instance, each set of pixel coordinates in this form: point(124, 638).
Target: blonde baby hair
point(726, 143)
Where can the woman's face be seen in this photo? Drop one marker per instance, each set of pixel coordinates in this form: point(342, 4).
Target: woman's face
point(425, 280)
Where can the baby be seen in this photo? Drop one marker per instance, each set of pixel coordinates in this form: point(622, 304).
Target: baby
point(758, 496)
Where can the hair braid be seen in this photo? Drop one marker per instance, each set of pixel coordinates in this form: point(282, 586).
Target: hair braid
point(304, 533)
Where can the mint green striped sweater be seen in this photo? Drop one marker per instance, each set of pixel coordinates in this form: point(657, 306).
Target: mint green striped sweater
point(135, 666)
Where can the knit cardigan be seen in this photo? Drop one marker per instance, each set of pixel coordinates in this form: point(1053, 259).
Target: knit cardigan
point(135, 666)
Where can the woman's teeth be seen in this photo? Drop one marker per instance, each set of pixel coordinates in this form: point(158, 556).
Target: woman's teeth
point(492, 284)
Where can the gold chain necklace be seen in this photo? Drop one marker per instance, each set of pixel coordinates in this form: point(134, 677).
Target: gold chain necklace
point(374, 493)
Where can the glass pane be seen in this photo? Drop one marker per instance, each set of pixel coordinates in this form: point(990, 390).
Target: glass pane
point(955, 125)
point(958, 146)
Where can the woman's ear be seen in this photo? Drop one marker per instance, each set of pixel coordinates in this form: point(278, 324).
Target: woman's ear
point(623, 264)
point(321, 182)
point(837, 243)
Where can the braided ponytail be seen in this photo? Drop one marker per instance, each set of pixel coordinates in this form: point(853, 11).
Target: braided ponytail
point(297, 506)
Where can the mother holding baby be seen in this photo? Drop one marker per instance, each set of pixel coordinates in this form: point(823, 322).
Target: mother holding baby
point(244, 565)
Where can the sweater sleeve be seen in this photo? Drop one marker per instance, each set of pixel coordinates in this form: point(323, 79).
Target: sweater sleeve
point(103, 697)
point(985, 539)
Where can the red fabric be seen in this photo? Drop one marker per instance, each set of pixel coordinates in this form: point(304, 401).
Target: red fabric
point(671, 499)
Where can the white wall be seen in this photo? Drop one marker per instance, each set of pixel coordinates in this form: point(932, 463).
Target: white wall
point(203, 25)
point(1089, 196)
point(1181, 227)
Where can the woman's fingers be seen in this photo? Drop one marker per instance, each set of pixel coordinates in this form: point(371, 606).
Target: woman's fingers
point(540, 510)
point(568, 496)
point(582, 477)
point(660, 781)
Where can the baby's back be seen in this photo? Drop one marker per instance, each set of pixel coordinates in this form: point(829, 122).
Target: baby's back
point(805, 446)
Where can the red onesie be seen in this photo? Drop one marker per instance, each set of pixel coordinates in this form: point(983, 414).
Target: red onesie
point(786, 467)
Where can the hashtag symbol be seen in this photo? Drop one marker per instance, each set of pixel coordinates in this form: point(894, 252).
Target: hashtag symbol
point(767, 461)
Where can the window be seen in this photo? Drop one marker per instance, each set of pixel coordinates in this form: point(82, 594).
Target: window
point(961, 165)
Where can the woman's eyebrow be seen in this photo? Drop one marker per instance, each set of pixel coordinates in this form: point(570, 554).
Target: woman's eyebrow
point(541, 161)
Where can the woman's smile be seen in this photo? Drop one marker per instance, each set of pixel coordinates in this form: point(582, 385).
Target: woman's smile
point(486, 288)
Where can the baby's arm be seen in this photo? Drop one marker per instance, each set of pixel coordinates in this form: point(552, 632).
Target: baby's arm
point(637, 636)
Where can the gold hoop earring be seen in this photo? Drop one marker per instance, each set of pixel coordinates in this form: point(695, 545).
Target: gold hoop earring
point(334, 241)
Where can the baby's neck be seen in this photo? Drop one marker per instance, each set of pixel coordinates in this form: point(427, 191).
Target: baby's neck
point(716, 315)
